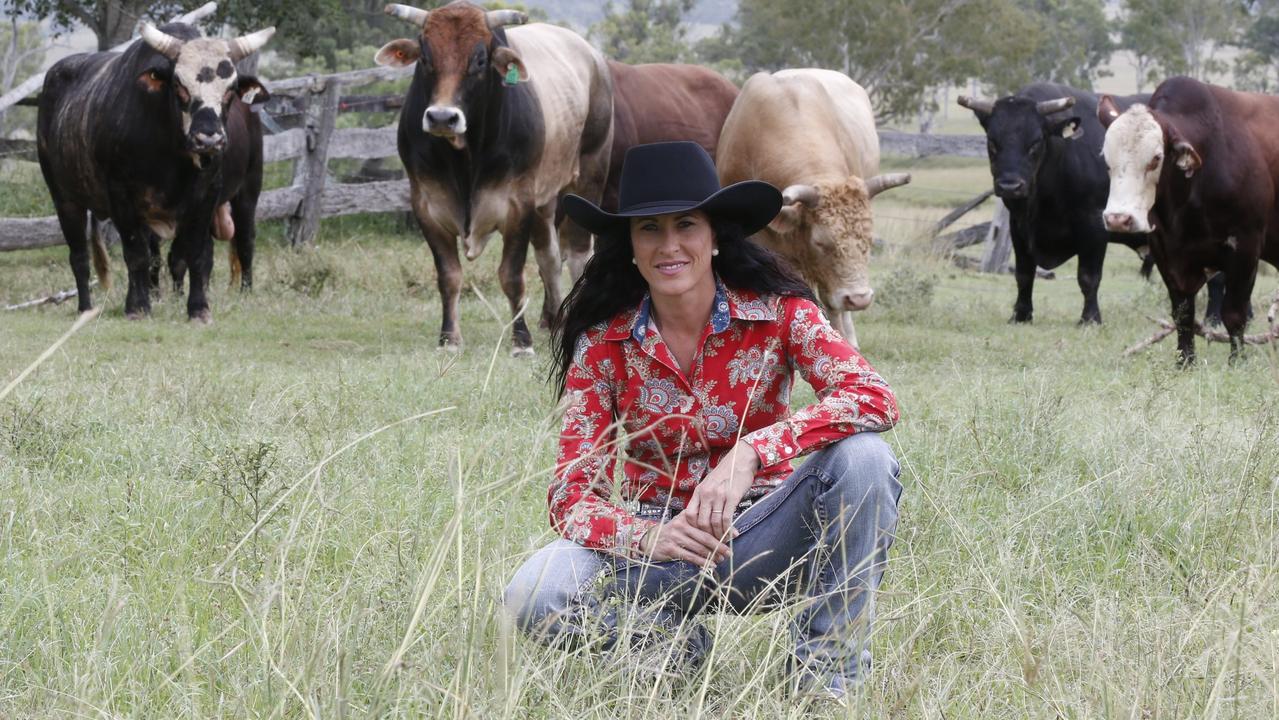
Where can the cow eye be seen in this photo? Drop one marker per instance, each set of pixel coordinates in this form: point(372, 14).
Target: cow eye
point(1154, 163)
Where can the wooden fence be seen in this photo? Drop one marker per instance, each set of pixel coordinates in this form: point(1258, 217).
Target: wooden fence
point(314, 140)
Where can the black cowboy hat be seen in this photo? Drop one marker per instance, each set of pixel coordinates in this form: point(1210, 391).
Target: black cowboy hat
point(669, 177)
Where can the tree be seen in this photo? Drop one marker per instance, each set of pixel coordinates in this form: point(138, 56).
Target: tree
point(21, 54)
point(1178, 37)
point(113, 21)
point(1257, 67)
point(644, 31)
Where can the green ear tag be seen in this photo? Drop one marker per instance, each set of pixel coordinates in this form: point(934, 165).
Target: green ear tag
point(512, 75)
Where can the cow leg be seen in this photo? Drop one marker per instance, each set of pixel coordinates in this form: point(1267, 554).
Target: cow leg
point(576, 247)
point(1216, 295)
point(177, 267)
point(1240, 276)
point(243, 244)
point(844, 318)
point(1024, 271)
point(74, 220)
point(196, 247)
point(153, 272)
point(448, 275)
point(546, 249)
point(1089, 278)
point(511, 274)
point(137, 258)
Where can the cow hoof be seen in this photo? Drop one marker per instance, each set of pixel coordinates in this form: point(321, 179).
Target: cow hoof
point(1085, 322)
point(1017, 320)
point(203, 317)
point(451, 348)
point(135, 315)
point(522, 352)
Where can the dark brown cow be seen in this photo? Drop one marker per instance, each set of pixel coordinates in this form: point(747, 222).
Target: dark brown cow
point(1200, 165)
point(661, 102)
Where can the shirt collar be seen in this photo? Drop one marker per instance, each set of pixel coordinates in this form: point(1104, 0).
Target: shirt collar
point(728, 305)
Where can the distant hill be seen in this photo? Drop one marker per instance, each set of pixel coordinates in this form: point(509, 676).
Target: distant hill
point(584, 13)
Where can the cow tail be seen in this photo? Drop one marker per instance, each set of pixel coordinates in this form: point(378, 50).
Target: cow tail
point(101, 262)
point(1147, 265)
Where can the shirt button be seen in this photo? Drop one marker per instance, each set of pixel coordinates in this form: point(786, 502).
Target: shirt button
point(787, 449)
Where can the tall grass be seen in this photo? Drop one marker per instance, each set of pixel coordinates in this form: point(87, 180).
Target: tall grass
point(306, 510)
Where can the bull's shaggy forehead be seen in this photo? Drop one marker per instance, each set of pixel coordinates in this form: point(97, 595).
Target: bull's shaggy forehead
point(1133, 140)
point(455, 29)
point(205, 69)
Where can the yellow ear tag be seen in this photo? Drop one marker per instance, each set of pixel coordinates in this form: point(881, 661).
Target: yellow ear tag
point(512, 75)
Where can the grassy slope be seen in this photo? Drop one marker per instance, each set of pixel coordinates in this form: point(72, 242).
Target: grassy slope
point(1082, 535)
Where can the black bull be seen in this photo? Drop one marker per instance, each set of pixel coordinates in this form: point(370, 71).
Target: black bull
point(111, 142)
point(1044, 144)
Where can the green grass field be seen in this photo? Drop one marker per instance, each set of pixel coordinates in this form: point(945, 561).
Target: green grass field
point(261, 519)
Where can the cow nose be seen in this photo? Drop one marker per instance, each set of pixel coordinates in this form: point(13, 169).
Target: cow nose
point(1011, 188)
point(1118, 221)
point(854, 299)
point(443, 118)
point(205, 141)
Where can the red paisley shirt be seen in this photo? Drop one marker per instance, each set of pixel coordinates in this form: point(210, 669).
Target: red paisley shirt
point(626, 397)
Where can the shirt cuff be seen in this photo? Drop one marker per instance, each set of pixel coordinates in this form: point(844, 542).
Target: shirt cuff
point(775, 444)
point(637, 529)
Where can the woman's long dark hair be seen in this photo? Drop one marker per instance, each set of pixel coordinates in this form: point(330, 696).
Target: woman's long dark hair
point(610, 283)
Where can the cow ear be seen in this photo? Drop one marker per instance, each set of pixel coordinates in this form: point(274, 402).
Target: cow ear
point(1071, 128)
point(398, 53)
point(507, 64)
point(1107, 111)
point(1187, 157)
point(251, 91)
point(787, 219)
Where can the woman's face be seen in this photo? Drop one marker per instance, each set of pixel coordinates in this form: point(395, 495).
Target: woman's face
point(673, 252)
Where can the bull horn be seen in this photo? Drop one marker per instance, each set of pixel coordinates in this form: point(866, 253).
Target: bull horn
point(1048, 107)
point(977, 105)
point(164, 43)
point(887, 181)
point(407, 13)
point(806, 195)
point(246, 45)
point(502, 18)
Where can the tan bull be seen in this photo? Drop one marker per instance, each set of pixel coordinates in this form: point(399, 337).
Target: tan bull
point(812, 133)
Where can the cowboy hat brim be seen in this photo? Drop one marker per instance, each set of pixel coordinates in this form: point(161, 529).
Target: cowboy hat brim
point(751, 203)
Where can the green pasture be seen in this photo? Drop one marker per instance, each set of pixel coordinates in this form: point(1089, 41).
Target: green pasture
point(306, 510)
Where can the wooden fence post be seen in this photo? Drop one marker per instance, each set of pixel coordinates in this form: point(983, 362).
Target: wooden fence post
point(999, 244)
point(313, 168)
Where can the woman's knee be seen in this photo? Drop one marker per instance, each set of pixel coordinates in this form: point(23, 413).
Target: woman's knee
point(549, 584)
point(864, 466)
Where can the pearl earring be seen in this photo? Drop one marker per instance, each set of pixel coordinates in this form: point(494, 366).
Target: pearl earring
point(633, 262)
point(715, 251)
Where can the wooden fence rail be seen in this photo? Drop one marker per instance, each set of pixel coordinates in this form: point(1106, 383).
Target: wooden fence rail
point(312, 104)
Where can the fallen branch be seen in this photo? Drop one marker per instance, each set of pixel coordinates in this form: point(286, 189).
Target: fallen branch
point(55, 299)
point(1166, 328)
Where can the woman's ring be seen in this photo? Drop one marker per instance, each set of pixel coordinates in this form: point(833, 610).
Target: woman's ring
point(717, 512)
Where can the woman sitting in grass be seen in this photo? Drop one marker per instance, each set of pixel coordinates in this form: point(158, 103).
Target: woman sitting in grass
point(676, 351)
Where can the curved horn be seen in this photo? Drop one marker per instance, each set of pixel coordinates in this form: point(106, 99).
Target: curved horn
point(407, 13)
point(502, 18)
point(164, 43)
point(1048, 107)
point(246, 45)
point(978, 105)
point(887, 181)
point(806, 195)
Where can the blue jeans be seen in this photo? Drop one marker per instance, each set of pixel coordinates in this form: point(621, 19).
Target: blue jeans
point(821, 537)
